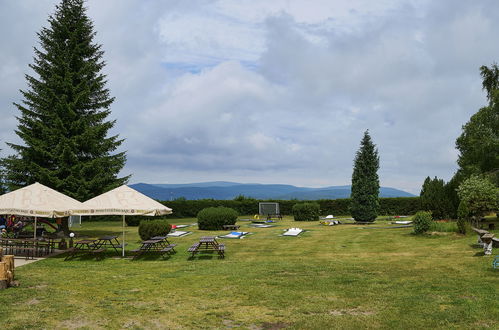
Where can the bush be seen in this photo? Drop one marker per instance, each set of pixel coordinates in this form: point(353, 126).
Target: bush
point(151, 228)
point(306, 211)
point(214, 218)
point(422, 222)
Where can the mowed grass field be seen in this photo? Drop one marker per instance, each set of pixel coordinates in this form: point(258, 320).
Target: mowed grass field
point(343, 277)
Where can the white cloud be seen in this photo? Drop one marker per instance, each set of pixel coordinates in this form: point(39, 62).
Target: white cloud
point(277, 91)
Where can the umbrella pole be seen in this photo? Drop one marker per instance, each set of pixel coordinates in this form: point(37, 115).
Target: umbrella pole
point(34, 231)
point(123, 244)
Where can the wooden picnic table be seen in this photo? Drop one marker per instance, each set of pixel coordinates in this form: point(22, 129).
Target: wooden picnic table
point(109, 241)
point(84, 247)
point(207, 244)
point(157, 244)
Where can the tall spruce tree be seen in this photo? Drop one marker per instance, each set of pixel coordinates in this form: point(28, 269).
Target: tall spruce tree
point(364, 203)
point(64, 111)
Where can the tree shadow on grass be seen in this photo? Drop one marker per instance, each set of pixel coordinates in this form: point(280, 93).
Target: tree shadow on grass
point(96, 233)
point(204, 257)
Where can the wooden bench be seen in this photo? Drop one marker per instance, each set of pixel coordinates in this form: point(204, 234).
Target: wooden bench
point(98, 253)
point(73, 252)
point(193, 248)
point(221, 250)
point(169, 249)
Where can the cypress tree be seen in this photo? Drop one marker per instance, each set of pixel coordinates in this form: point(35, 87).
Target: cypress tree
point(364, 203)
point(64, 110)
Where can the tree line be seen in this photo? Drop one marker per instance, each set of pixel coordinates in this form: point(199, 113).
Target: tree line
point(473, 190)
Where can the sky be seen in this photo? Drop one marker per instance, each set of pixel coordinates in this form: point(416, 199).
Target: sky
point(281, 91)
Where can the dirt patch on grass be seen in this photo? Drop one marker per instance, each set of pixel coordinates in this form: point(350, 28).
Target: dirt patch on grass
point(33, 301)
point(78, 323)
point(230, 324)
point(349, 311)
point(274, 325)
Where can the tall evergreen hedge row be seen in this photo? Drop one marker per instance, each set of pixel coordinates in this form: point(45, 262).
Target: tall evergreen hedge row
point(190, 208)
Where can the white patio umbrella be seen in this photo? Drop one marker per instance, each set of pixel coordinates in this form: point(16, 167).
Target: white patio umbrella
point(37, 200)
point(122, 201)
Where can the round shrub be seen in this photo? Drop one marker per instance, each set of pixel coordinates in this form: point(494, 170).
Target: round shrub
point(306, 211)
point(214, 218)
point(422, 221)
point(151, 228)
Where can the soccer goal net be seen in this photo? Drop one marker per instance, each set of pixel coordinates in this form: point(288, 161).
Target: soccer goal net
point(268, 208)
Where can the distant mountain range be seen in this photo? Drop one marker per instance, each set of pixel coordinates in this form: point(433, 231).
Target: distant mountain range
point(230, 190)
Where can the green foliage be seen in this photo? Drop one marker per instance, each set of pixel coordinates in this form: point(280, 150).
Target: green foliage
point(463, 218)
point(306, 211)
point(422, 222)
point(490, 78)
point(3, 189)
point(214, 218)
point(364, 204)
point(63, 115)
point(443, 227)
point(190, 208)
point(135, 220)
point(451, 194)
point(479, 140)
point(151, 228)
point(242, 198)
point(435, 198)
point(480, 195)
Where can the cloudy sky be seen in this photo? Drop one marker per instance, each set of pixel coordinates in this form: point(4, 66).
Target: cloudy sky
point(276, 91)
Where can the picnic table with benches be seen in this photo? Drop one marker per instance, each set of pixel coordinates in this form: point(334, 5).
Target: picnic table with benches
point(207, 244)
point(157, 244)
point(86, 247)
point(109, 241)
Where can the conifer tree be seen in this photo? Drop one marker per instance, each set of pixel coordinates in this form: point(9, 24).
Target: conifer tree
point(435, 198)
point(2, 183)
point(364, 203)
point(63, 121)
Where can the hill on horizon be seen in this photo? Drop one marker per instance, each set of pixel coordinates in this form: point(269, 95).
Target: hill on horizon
point(229, 190)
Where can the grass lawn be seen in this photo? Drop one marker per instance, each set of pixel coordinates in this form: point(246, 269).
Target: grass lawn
point(345, 276)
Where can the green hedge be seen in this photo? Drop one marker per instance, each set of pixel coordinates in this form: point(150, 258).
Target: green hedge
point(388, 206)
point(306, 211)
point(151, 228)
point(214, 218)
point(137, 219)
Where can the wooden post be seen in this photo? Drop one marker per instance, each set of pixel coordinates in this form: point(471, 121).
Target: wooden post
point(4, 283)
point(9, 259)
